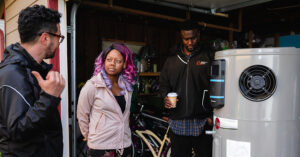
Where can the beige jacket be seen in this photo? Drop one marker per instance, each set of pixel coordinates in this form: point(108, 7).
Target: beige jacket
point(100, 118)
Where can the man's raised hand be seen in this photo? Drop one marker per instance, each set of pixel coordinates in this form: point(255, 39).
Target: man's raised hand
point(54, 83)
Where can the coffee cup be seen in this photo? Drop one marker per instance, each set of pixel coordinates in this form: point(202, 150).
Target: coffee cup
point(173, 98)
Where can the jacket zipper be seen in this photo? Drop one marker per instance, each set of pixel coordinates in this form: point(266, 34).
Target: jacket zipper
point(186, 84)
point(203, 97)
point(122, 118)
point(111, 94)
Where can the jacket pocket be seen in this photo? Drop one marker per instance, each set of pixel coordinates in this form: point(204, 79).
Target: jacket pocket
point(204, 100)
point(100, 121)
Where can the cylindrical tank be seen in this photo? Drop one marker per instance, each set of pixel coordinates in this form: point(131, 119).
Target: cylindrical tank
point(256, 96)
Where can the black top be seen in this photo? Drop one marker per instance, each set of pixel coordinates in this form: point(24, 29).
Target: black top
point(121, 101)
point(188, 76)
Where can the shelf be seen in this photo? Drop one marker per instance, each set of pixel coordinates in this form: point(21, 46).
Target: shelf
point(149, 74)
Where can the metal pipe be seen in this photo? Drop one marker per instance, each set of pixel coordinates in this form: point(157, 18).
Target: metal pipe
point(218, 27)
point(177, 6)
point(155, 118)
point(242, 5)
point(73, 73)
point(186, 7)
point(156, 15)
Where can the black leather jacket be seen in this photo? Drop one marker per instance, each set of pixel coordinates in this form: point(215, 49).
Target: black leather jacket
point(30, 123)
point(188, 76)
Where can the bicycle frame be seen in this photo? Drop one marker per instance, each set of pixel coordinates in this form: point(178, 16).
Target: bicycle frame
point(161, 142)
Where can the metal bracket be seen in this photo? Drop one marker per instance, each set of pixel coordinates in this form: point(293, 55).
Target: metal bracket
point(69, 29)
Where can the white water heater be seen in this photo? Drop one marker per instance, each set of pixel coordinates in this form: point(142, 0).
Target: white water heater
point(256, 96)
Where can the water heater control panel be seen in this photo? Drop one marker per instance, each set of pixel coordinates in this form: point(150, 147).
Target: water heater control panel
point(217, 83)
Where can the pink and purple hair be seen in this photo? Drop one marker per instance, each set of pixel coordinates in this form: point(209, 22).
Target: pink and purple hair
point(127, 75)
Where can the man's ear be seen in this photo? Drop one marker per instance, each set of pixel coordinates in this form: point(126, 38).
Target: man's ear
point(44, 38)
point(124, 66)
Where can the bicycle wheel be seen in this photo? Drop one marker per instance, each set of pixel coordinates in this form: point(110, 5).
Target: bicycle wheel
point(132, 150)
point(138, 145)
point(167, 150)
point(168, 153)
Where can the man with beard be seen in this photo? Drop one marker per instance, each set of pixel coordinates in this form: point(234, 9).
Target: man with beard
point(187, 74)
point(30, 123)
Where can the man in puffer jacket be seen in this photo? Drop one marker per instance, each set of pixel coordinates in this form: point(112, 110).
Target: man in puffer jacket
point(30, 123)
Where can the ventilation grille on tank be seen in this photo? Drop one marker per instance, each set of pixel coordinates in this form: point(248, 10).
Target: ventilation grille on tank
point(257, 83)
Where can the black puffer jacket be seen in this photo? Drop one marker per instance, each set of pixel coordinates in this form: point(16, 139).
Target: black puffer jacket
point(30, 123)
point(189, 78)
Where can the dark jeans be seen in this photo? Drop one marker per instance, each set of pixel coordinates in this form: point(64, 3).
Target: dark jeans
point(108, 153)
point(181, 146)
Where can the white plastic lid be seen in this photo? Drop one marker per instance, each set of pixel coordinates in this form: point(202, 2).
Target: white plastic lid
point(173, 94)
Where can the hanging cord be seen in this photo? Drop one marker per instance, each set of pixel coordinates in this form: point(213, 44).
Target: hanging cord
point(189, 6)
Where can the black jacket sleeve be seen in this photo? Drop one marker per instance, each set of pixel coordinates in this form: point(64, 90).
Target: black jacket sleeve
point(21, 113)
point(164, 83)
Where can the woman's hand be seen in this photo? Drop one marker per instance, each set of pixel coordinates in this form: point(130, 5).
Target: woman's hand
point(84, 139)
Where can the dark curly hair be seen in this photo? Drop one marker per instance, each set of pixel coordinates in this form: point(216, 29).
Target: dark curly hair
point(35, 20)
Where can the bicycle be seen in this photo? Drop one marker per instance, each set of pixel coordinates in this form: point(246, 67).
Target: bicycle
point(155, 153)
point(158, 144)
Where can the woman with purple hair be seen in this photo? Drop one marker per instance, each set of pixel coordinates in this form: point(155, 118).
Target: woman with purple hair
point(104, 103)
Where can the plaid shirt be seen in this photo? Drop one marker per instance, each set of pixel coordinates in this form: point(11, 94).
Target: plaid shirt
point(187, 127)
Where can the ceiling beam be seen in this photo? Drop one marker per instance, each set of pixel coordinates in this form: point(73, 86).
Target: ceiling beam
point(156, 15)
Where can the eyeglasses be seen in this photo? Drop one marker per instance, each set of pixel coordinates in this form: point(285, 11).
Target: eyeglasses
point(61, 37)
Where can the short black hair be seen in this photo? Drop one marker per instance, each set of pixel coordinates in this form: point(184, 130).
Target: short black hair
point(189, 25)
point(35, 20)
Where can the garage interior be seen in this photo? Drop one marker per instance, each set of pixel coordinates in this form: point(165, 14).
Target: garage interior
point(149, 22)
point(153, 24)
point(151, 27)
